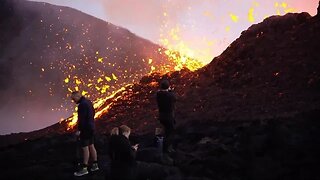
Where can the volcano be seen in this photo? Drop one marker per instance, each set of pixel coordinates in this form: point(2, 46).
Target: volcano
point(46, 51)
point(252, 113)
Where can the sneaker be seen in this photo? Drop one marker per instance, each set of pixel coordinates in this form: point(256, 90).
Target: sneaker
point(94, 167)
point(81, 172)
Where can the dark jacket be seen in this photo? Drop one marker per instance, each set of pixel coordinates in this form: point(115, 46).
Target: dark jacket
point(166, 105)
point(85, 117)
point(121, 151)
point(123, 163)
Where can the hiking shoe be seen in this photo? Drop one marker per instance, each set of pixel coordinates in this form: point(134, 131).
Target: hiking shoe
point(81, 172)
point(94, 167)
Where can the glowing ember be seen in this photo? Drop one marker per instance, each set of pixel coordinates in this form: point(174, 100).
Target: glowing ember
point(250, 15)
point(234, 18)
point(179, 53)
point(283, 7)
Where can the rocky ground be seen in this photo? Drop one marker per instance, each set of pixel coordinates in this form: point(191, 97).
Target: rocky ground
point(271, 149)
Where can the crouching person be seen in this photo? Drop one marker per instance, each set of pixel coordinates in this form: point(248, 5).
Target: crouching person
point(123, 161)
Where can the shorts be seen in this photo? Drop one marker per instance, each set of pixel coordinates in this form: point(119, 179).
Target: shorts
point(86, 140)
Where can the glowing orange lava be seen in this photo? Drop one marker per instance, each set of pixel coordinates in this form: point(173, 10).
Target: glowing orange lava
point(105, 87)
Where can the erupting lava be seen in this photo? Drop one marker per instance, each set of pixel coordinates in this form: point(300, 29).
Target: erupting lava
point(99, 83)
point(103, 104)
point(106, 88)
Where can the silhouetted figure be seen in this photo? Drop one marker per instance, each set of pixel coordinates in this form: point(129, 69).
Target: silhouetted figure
point(113, 138)
point(85, 132)
point(166, 100)
point(124, 165)
point(122, 154)
point(114, 133)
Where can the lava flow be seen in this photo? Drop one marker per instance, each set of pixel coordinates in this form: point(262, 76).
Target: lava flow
point(103, 104)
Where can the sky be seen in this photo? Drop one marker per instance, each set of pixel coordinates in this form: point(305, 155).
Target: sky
point(199, 28)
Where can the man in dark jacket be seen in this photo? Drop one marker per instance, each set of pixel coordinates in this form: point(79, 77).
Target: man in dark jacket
point(85, 132)
point(166, 100)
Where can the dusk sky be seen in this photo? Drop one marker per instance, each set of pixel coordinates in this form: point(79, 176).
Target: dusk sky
point(202, 29)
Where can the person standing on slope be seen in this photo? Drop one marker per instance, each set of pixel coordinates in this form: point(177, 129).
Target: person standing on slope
point(85, 132)
point(166, 100)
